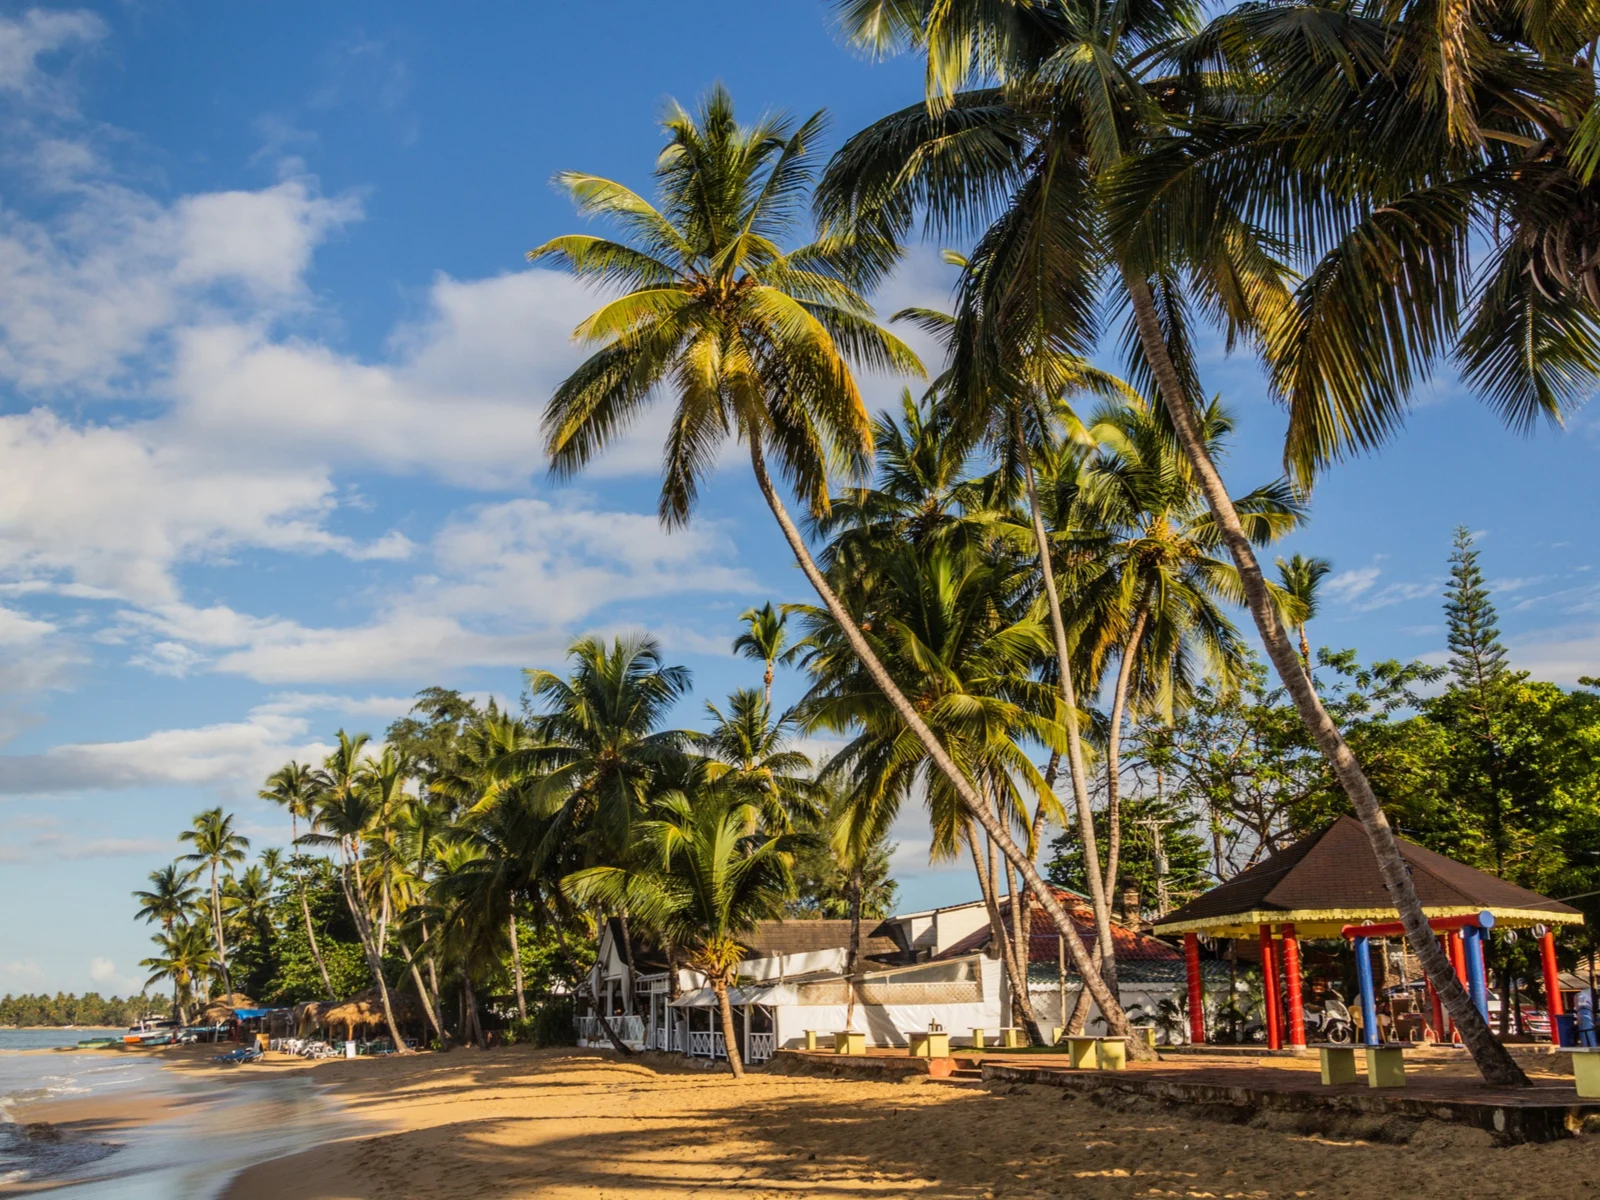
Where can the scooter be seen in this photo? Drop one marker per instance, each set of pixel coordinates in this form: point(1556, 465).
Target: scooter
point(1330, 1023)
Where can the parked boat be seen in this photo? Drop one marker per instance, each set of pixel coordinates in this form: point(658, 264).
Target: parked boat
point(99, 1043)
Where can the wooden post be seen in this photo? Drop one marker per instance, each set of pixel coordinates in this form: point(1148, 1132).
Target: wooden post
point(1269, 990)
point(1552, 984)
point(1197, 994)
point(1440, 1033)
point(1291, 983)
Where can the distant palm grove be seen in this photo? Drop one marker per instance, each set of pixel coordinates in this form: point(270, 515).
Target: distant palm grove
point(1026, 582)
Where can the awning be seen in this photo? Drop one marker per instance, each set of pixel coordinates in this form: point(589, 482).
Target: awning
point(766, 993)
point(250, 1014)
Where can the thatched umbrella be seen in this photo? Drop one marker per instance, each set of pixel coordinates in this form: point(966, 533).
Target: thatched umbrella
point(366, 1008)
point(220, 1010)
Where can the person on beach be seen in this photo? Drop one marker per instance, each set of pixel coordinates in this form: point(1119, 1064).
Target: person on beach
point(1583, 1013)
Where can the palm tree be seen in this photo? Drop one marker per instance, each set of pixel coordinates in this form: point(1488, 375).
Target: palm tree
point(764, 640)
point(1299, 577)
point(1092, 184)
point(349, 812)
point(247, 898)
point(170, 899)
point(184, 957)
point(215, 845)
point(755, 343)
point(1161, 564)
point(295, 787)
point(748, 753)
point(708, 882)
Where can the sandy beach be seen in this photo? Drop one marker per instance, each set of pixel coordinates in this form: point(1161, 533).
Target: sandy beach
point(567, 1124)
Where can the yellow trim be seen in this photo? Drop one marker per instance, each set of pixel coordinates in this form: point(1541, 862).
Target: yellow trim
point(1330, 922)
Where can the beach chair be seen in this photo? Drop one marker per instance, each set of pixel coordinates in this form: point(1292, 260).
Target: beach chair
point(237, 1057)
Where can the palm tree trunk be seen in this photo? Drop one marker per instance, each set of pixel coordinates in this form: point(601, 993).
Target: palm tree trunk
point(720, 987)
point(766, 695)
point(999, 941)
point(363, 920)
point(1075, 766)
point(604, 1019)
point(627, 962)
point(853, 960)
point(305, 911)
point(1021, 922)
point(422, 995)
point(1119, 704)
point(941, 760)
point(516, 968)
point(1492, 1059)
point(473, 1019)
point(216, 925)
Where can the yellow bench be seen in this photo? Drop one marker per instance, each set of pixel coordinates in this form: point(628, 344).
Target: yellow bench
point(1081, 1052)
point(1103, 1053)
point(1386, 1065)
point(1586, 1071)
point(977, 1039)
point(1013, 1038)
point(928, 1044)
point(850, 1042)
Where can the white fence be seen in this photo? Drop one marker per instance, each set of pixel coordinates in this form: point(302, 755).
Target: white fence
point(628, 1028)
point(761, 1046)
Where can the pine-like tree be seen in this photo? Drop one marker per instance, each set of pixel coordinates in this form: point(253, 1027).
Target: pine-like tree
point(1478, 664)
point(1477, 659)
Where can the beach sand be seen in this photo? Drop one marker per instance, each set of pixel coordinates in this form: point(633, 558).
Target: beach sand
point(565, 1124)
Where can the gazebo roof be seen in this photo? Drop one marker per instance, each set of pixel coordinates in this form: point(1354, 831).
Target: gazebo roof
point(1330, 879)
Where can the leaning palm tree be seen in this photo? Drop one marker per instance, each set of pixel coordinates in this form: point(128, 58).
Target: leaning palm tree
point(1087, 186)
point(706, 882)
point(170, 898)
point(216, 845)
point(295, 788)
point(755, 343)
point(764, 639)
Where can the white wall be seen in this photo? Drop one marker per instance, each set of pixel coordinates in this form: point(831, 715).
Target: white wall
point(888, 1024)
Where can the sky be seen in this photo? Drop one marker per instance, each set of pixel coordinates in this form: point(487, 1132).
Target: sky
point(271, 369)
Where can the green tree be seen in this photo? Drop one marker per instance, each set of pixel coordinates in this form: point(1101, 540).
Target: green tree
point(764, 639)
point(295, 788)
point(1301, 578)
point(748, 752)
point(710, 880)
point(216, 845)
point(183, 957)
point(755, 343)
point(170, 899)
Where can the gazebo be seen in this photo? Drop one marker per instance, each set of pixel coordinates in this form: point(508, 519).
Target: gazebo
point(1327, 885)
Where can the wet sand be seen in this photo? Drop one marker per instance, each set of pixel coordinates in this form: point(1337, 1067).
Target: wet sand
point(567, 1124)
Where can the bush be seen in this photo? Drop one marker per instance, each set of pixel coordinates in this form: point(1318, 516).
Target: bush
point(549, 1023)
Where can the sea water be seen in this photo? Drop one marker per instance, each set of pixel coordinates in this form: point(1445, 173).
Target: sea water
point(217, 1124)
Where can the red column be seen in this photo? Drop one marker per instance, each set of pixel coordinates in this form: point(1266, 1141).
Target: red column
point(1458, 960)
point(1291, 983)
point(1269, 980)
point(1197, 995)
point(1552, 983)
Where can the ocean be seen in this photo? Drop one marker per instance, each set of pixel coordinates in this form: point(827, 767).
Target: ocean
point(213, 1128)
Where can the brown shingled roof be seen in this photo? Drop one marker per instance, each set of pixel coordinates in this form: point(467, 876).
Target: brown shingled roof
point(801, 936)
point(1334, 870)
point(1130, 945)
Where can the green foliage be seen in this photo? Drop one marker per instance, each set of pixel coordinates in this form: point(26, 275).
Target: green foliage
point(88, 1009)
point(1184, 849)
point(822, 883)
point(549, 1023)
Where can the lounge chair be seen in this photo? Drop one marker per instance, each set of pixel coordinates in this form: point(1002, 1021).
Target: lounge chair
point(235, 1057)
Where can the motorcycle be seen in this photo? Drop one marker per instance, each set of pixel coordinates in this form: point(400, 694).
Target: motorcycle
point(1331, 1023)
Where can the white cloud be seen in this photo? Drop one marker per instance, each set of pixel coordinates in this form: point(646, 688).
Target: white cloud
point(35, 34)
point(1558, 655)
point(509, 583)
point(103, 970)
point(1347, 585)
point(21, 969)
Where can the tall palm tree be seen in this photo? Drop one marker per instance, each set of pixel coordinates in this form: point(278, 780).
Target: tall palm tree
point(1091, 185)
point(1160, 554)
point(170, 898)
point(755, 343)
point(764, 639)
point(748, 752)
point(349, 813)
point(1300, 578)
point(216, 845)
point(247, 899)
point(708, 882)
point(295, 788)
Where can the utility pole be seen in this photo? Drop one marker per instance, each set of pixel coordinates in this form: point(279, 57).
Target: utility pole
point(1154, 825)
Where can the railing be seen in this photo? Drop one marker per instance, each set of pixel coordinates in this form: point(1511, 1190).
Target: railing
point(677, 1038)
point(761, 1046)
point(628, 1028)
point(700, 1044)
point(719, 1048)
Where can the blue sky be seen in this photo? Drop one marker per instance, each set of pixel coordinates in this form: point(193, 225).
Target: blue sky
point(271, 364)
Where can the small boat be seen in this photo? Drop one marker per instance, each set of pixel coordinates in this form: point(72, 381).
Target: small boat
point(150, 1032)
point(99, 1043)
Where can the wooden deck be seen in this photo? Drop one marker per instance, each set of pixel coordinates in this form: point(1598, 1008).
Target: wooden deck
point(1438, 1091)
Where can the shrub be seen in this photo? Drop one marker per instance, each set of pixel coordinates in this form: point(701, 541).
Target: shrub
point(549, 1023)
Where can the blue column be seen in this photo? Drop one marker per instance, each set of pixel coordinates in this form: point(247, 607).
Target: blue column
point(1369, 1004)
point(1477, 985)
